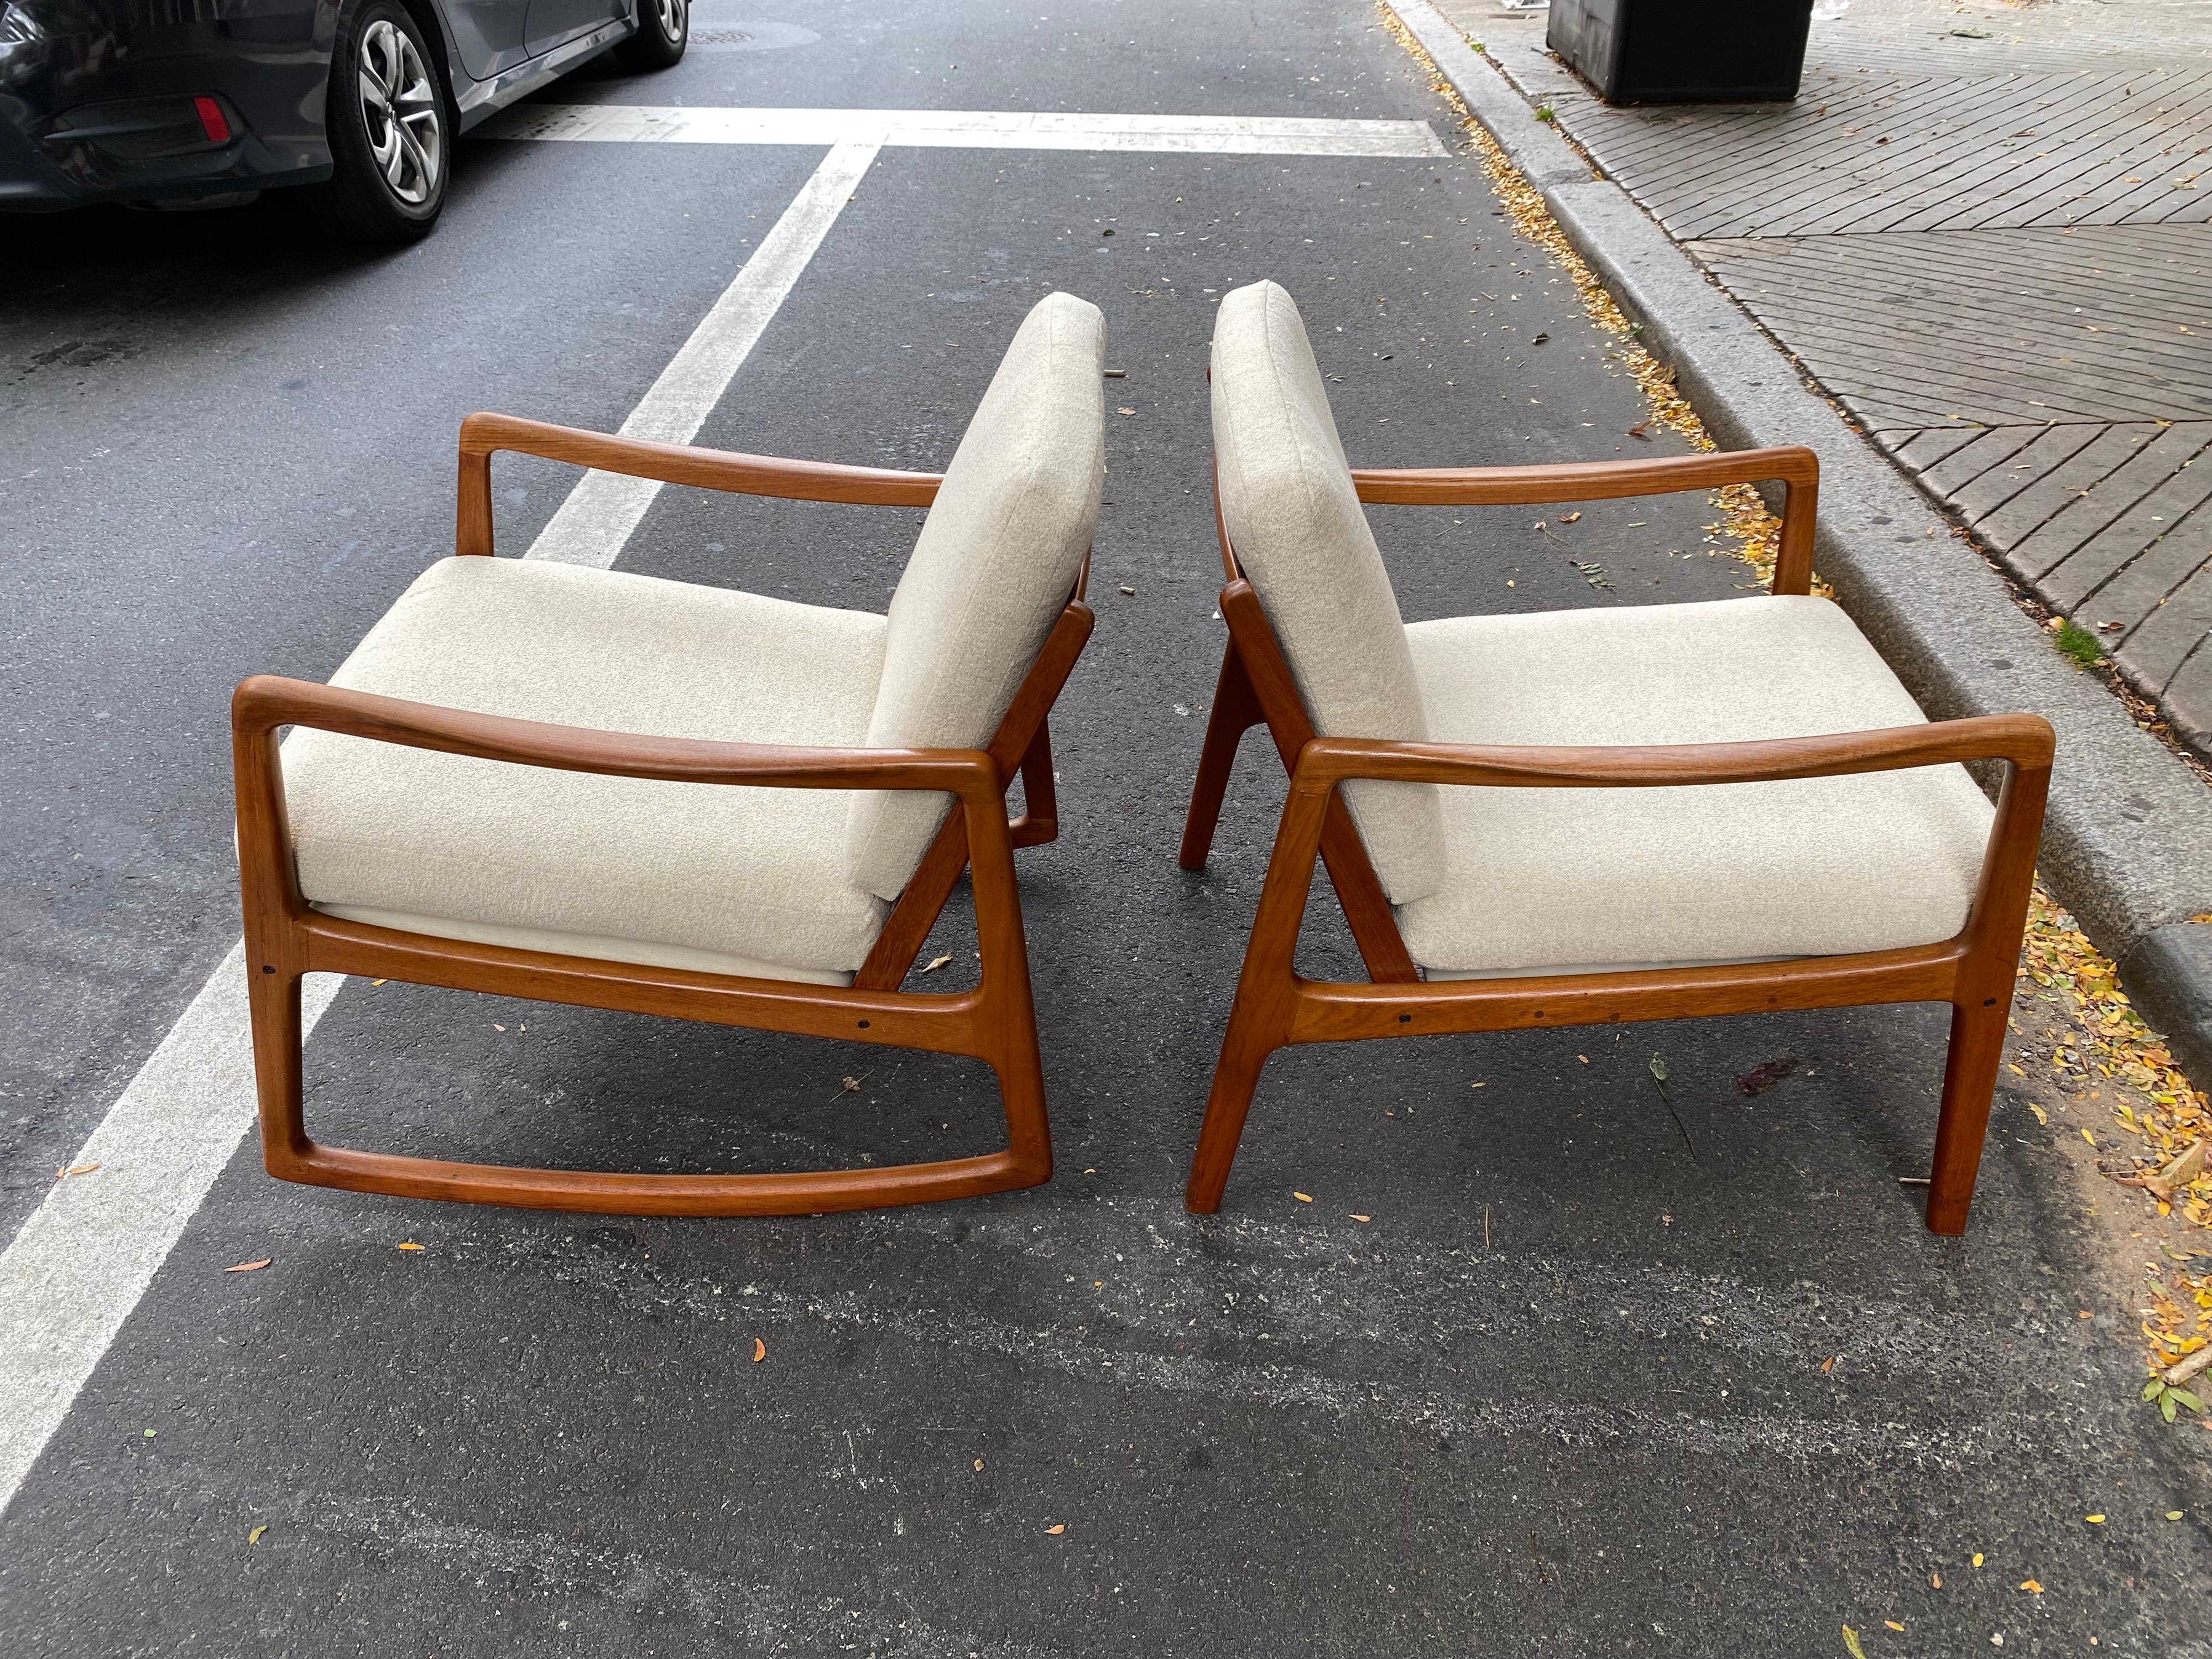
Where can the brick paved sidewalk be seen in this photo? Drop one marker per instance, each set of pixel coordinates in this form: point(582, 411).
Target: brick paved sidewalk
point(1984, 230)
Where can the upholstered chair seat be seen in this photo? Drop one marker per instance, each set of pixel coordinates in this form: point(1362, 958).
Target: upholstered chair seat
point(1588, 880)
point(676, 875)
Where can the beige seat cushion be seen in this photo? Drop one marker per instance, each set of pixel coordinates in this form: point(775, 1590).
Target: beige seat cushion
point(704, 876)
point(990, 573)
point(1302, 537)
point(1561, 879)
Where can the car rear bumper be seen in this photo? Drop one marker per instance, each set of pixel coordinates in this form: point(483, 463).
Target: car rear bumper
point(140, 99)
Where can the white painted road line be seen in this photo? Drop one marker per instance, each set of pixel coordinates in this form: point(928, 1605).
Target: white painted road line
point(71, 1276)
point(596, 522)
point(1213, 135)
point(77, 1268)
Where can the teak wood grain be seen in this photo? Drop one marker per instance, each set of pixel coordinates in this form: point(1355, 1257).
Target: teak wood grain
point(995, 1022)
point(1276, 1007)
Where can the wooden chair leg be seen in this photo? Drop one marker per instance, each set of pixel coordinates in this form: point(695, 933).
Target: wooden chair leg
point(1236, 710)
point(273, 1006)
point(1244, 1050)
point(1040, 819)
point(1970, 1079)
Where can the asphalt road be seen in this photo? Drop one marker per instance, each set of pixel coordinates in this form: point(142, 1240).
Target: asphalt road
point(1564, 1394)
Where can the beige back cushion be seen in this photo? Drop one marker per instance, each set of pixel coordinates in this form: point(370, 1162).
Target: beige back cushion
point(990, 574)
point(1298, 532)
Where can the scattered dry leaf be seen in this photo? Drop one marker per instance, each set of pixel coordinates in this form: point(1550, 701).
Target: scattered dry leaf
point(411, 1246)
point(1356, 1216)
point(936, 963)
point(2030, 1587)
point(1302, 1198)
point(979, 1466)
point(1851, 1643)
point(254, 1537)
point(251, 1267)
point(1570, 518)
point(1054, 1531)
point(760, 1351)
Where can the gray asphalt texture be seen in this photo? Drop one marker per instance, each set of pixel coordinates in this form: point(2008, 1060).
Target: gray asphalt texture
point(1564, 1394)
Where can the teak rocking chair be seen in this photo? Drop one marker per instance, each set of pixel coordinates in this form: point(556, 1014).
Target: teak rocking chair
point(986, 625)
point(1308, 673)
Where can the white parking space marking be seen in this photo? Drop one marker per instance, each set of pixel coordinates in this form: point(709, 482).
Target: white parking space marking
point(595, 523)
point(78, 1266)
point(1217, 134)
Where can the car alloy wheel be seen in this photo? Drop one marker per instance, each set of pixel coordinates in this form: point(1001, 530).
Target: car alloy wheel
point(672, 18)
point(399, 111)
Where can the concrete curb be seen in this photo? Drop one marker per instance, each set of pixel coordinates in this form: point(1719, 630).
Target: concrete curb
point(2128, 843)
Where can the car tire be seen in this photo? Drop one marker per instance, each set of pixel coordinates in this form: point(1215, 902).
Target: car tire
point(391, 129)
point(664, 29)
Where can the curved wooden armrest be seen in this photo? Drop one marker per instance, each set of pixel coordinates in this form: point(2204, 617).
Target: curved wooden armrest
point(1583, 481)
point(484, 433)
point(1797, 468)
point(2024, 740)
point(266, 702)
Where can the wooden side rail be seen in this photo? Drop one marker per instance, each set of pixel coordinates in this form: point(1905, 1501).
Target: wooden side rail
point(2021, 739)
point(483, 434)
point(1794, 467)
point(266, 702)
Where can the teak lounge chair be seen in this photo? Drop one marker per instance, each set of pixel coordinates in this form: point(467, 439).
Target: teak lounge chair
point(546, 780)
point(1836, 853)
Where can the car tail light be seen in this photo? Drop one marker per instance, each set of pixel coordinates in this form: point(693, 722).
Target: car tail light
point(212, 120)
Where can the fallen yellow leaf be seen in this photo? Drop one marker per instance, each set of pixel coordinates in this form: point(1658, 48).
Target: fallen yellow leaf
point(936, 963)
point(1892, 1624)
point(1936, 1581)
point(1851, 1643)
point(1977, 1557)
point(760, 1351)
point(1302, 1198)
point(2087, 1136)
point(2030, 1587)
point(2094, 1520)
point(1055, 1531)
point(1356, 1216)
point(254, 1537)
point(410, 1247)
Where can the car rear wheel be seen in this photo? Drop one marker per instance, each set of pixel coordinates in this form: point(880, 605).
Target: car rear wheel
point(663, 27)
point(391, 135)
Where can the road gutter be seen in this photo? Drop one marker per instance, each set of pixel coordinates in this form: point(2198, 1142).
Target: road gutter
point(2127, 846)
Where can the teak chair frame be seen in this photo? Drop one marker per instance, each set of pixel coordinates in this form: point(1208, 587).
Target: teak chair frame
point(996, 1021)
point(1275, 1007)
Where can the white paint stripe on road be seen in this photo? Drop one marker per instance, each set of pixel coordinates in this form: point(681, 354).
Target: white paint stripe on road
point(77, 1267)
point(1216, 135)
point(595, 523)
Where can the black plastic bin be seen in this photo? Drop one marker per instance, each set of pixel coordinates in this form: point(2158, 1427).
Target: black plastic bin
point(1684, 52)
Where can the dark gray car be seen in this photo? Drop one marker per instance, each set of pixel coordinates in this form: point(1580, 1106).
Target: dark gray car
point(175, 101)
